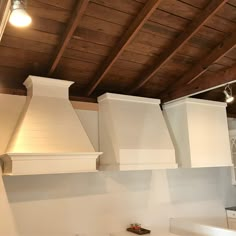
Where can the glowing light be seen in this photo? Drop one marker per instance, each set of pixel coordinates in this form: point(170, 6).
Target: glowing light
point(228, 94)
point(19, 17)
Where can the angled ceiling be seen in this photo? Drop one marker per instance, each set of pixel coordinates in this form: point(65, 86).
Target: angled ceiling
point(154, 48)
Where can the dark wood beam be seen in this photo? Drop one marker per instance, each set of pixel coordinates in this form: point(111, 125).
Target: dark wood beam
point(70, 29)
point(179, 42)
point(231, 115)
point(23, 92)
point(206, 61)
point(130, 33)
point(202, 84)
point(210, 95)
point(13, 91)
point(82, 99)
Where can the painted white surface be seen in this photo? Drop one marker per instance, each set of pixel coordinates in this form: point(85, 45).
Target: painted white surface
point(107, 202)
point(125, 233)
point(10, 109)
point(231, 219)
point(199, 131)
point(133, 134)
point(185, 227)
point(102, 203)
point(231, 123)
point(48, 127)
point(5, 17)
point(231, 214)
point(7, 222)
point(232, 137)
point(47, 163)
point(49, 123)
point(232, 223)
point(89, 120)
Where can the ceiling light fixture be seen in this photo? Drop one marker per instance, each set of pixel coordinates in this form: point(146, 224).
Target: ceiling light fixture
point(19, 17)
point(228, 94)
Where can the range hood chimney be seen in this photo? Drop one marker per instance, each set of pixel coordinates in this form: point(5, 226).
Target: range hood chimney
point(133, 134)
point(49, 137)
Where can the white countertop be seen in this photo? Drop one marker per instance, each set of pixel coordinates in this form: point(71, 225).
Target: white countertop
point(126, 233)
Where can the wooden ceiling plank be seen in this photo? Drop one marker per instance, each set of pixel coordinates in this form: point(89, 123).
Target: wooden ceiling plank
point(199, 68)
point(180, 41)
point(203, 84)
point(130, 33)
point(70, 29)
point(31, 34)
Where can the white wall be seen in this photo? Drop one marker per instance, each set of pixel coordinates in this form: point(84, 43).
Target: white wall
point(108, 201)
point(232, 123)
point(103, 202)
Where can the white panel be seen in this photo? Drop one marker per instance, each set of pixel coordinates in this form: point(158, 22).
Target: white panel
point(200, 132)
point(10, 109)
point(137, 131)
point(208, 135)
point(232, 223)
point(177, 124)
point(231, 214)
point(89, 120)
point(35, 164)
point(7, 222)
point(49, 125)
point(185, 228)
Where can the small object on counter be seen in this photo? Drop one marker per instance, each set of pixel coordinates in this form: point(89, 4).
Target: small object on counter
point(137, 229)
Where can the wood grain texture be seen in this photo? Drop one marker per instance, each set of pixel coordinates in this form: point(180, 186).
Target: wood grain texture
point(194, 26)
point(206, 63)
point(130, 33)
point(73, 23)
point(204, 83)
point(210, 58)
point(104, 23)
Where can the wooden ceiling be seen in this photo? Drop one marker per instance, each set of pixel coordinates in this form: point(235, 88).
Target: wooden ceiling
point(154, 48)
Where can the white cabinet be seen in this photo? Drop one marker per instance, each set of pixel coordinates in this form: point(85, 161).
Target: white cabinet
point(231, 219)
point(199, 132)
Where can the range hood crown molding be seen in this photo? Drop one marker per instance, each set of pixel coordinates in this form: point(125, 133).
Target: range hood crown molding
point(49, 137)
point(33, 80)
point(47, 87)
point(194, 101)
point(128, 98)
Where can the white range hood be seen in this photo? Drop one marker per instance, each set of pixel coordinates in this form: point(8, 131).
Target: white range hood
point(133, 134)
point(49, 137)
point(199, 131)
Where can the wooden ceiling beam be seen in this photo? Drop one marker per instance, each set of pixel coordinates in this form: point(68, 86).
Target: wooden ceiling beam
point(231, 115)
point(203, 64)
point(23, 92)
point(130, 33)
point(70, 29)
point(179, 42)
point(206, 83)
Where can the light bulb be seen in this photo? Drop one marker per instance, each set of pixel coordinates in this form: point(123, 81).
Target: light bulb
point(228, 97)
point(20, 18)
